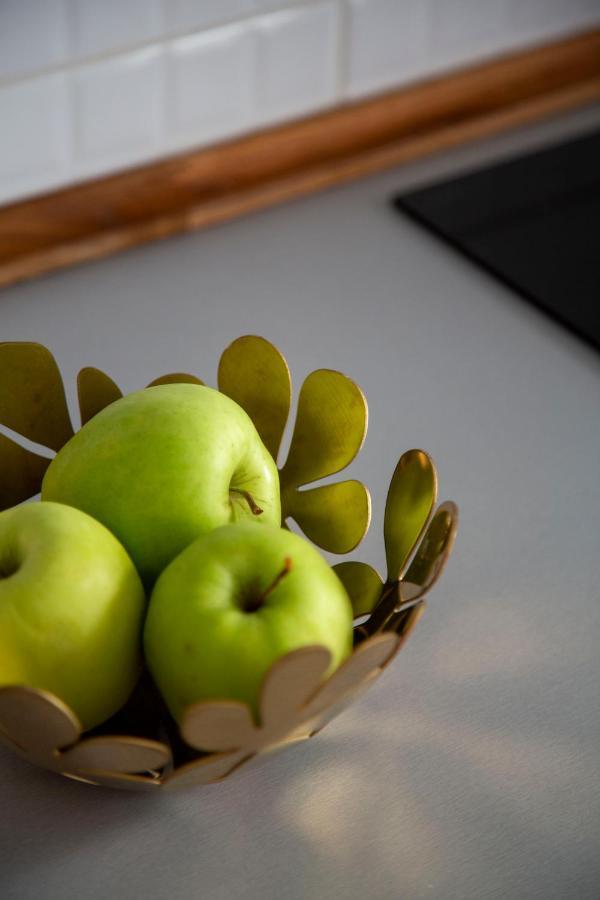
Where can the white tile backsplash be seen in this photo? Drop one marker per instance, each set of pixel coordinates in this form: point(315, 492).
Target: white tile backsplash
point(297, 61)
point(266, 5)
point(463, 30)
point(102, 26)
point(388, 44)
point(91, 86)
point(118, 109)
point(538, 20)
point(188, 15)
point(33, 35)
point(210, 85)
point(35, 143)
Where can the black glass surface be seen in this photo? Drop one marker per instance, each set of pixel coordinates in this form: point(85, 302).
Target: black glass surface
point(534, 222)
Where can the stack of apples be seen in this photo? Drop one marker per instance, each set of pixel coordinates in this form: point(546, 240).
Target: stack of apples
point(158, 536)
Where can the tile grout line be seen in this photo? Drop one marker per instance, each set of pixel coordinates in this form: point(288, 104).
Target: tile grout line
point(342, 49)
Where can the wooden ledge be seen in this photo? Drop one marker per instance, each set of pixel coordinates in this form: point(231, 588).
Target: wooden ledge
point(202, 187)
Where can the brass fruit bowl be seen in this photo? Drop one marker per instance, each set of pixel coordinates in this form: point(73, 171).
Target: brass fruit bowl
point(141, 748)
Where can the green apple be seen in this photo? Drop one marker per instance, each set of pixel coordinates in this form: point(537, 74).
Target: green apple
point(162, 466)
point(231, 604)
point(71, 609)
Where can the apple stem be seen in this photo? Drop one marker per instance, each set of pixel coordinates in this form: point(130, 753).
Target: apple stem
point(255, 509)
point(287, 568)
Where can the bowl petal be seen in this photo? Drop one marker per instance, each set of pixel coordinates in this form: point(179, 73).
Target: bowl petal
point(32, 395)
point(335, 517)
point(95, 391)
point(255, 374)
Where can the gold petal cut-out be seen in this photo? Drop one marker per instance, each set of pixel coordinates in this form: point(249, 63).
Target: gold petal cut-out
point(217, 725)
point(121, 781)
point(32, 396)
point(21, 472)
point(116, 754)
point(35, 721)
point(290, 682)
point(175, 378)
point(331, 424)
point(95, 391)
point(363, 584)
point(367, 658)
point(405, 622)
point(334, 516)
point(255, 374)
point(410, 501)
point(432, 554)
point(206, 770)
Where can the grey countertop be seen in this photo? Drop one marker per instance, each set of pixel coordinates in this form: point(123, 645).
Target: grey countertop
point(472, 770)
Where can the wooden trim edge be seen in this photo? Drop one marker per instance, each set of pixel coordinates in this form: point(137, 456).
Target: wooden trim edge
point(212, 185)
